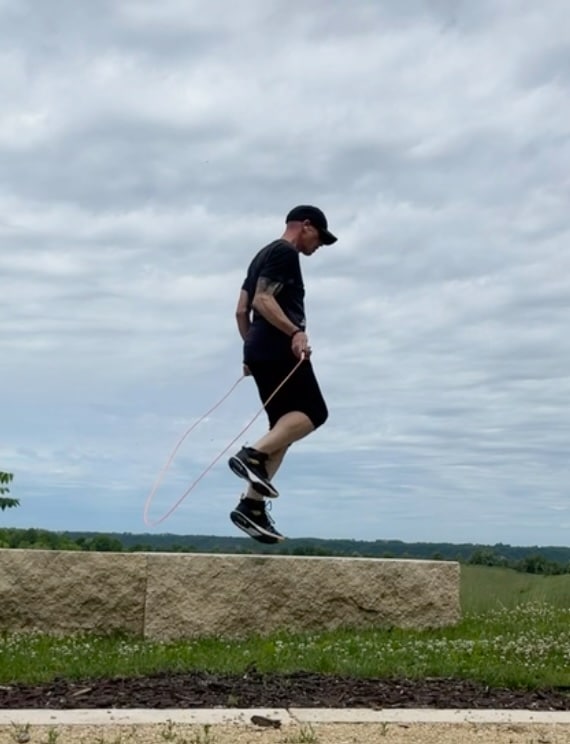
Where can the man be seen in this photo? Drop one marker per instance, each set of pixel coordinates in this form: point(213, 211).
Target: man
point(270, 316)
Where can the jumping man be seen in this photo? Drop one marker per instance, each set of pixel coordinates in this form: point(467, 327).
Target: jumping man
point(270, 316)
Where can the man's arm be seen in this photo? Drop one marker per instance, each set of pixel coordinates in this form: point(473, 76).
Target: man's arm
point(242, 313)
point(266, 305)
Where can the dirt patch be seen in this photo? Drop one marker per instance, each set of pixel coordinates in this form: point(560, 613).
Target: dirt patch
point(256, 690)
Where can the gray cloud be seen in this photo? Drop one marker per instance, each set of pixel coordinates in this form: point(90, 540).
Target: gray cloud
point(146, 154)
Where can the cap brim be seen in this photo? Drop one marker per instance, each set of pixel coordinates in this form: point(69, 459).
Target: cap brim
point(327, 237)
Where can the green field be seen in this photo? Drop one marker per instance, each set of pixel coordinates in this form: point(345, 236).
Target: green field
point(485, 589)
point(515, 632)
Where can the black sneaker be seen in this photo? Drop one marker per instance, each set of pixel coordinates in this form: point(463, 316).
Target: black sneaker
point(250, 515)
point(249, 464)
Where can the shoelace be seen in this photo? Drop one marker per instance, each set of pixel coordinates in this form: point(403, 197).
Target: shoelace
point(265, 506)
point(268, 507)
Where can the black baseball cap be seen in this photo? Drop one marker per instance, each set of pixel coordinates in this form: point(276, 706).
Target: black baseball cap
point(317, 219)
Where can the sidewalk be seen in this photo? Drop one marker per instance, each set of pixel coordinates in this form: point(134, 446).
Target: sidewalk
point(295, 726)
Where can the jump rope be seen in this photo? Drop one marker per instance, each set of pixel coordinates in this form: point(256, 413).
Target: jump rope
point(165, 468)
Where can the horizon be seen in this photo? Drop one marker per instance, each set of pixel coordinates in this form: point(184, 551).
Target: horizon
point(245, 539)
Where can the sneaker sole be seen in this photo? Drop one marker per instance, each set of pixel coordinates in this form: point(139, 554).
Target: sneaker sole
point(254, 530)
point(239, 468)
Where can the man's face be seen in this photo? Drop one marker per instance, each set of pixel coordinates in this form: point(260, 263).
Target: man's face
point(310, 239)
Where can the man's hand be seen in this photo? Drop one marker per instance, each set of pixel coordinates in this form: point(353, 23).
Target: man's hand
point(300, 345)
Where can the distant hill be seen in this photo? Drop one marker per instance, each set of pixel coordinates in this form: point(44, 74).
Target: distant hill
point(531, 559)
point(341, 547)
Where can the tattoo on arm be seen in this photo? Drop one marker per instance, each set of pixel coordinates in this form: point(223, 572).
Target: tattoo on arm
point(268, 286)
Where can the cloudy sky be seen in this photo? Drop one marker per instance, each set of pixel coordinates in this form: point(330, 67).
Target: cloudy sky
point(148, 150)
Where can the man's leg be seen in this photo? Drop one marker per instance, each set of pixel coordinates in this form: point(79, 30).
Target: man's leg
point(250, 514)
point(289, 428)
point(296, 412)
point(272, 465)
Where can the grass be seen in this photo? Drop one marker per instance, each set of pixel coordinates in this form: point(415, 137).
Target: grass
point(305, 735)
point(489, 588)
point(515, 632)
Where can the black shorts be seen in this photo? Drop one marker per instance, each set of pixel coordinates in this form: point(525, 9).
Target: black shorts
point(301, 392)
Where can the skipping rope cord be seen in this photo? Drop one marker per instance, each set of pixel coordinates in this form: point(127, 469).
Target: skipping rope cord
point(215, 460)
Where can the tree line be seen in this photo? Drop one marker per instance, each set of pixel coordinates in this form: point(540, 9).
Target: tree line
point(533, 561)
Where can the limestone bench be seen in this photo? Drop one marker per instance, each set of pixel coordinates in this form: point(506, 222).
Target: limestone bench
point(165, 596)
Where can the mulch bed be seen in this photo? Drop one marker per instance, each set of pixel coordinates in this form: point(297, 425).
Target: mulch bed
point(256, 690)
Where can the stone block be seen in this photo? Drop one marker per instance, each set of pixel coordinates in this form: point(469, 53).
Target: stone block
point(63, 591)
point(196, 595)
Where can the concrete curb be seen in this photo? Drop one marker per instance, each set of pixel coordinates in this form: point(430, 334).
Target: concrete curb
point(220, 716)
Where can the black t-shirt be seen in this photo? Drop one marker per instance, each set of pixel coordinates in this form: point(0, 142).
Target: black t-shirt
point(278, 261)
